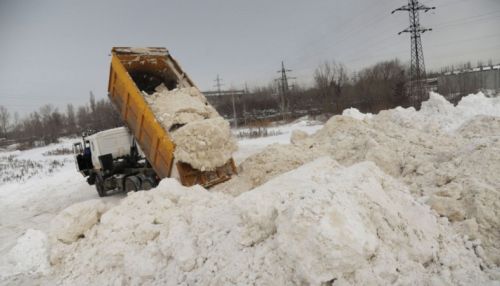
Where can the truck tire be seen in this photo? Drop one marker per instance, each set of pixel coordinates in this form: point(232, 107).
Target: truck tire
point(132, 184)
point(91, 179)
point(147, 184)
point(99, 185)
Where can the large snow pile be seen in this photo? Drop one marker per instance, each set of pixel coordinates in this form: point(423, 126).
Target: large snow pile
point(438, 113)
point(321, 223)
point(449, 156)
point(202, 137)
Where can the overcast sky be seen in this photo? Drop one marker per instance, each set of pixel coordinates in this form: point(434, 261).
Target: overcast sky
point(56, 51)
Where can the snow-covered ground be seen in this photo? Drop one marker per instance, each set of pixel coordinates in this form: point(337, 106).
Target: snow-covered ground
point(250, 146)
point(34, 187)
point(401, 197)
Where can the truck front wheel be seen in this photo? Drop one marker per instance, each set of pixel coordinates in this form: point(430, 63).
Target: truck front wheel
point(99, 185)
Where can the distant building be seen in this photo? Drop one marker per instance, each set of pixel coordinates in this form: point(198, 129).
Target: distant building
point(458, 83)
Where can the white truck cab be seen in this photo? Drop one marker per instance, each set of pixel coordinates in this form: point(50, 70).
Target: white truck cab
point(116, 141)
point(112, 161)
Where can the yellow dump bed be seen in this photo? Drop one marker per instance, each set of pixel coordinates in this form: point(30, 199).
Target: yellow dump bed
point(142, 69)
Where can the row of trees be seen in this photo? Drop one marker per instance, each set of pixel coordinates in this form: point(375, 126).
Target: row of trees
point(372, 89)
point(47, 124)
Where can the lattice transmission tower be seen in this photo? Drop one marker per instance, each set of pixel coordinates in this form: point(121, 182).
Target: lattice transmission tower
point(283, 90)
point(417, 89)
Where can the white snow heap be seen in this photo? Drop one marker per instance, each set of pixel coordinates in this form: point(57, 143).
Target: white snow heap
point(356, 114)
point(72, 223)
point(450, 156)
point(202, 137)
point(320, 223)
point(438, 113)
point(28, 256)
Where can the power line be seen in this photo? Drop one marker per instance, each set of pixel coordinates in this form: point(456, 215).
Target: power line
point(345, 35)
point(343, 38)
point(451, 3)
point(352, 54)
point(369, 44)
point(468, 20)
point(401, 51)
point(417, 67)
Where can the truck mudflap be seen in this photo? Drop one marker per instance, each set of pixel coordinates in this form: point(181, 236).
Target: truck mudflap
point(190, 176)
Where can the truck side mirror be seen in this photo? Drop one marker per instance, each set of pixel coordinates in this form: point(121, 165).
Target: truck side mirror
point(77, 148)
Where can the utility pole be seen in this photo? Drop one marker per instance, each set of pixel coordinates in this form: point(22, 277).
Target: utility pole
point(284, 88)
point(245, 105)
point(235, 119)
point(218, 85)
point(417, 68)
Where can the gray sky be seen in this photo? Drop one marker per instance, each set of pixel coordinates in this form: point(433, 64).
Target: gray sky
point(56, 51)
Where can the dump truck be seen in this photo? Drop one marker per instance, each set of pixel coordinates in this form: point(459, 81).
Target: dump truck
point(137, 156)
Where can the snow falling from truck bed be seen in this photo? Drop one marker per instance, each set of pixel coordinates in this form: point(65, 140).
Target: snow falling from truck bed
point(202, 137)
point(401, 197)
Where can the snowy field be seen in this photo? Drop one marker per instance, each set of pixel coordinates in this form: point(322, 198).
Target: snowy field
point(402, 197)
point(34, 187)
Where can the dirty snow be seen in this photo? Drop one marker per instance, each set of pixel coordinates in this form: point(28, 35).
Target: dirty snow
point(202, 137)
point(437, 155)
point(317, 224)
point(401, 197)
point(29, 255)
point(356, 114)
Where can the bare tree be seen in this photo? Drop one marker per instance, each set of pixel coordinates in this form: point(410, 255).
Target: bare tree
point(381, 85)
point(16, 118)
point(82, 116)
point(92, 102)
point(70, 119)
point(330, 79)
point(4, 120)
point(32, 128)
point(52, 122)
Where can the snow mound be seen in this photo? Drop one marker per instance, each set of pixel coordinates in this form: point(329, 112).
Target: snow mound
point(356, 114)
point(28, 256)
point(320, 223)
point(447, 155)
point(72, 223)
point(298, 135)
point(439, 114)
point(202, 137)
point(274, 160)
